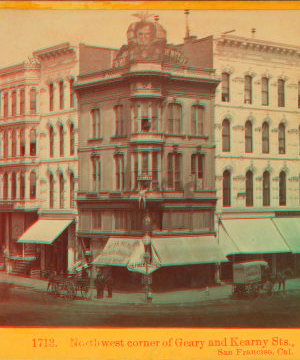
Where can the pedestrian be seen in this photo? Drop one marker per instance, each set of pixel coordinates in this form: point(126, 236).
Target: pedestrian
point(109, 285)
point(100, 283)
point(6, 257)
point(52, 275)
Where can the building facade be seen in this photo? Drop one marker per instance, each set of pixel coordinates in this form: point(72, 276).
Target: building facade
point(146, 157)
point(258, 146)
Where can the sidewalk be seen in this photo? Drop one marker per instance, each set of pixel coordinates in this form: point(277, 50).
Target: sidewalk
point(169, 297)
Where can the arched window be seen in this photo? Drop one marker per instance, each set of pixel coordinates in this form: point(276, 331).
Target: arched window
point(248, 137)
point(282, 188)
point(5, 100)
point(197, 167)
point(281, 138)
point(249, 188)
point(174, 118)
point(51, 140)
point(266, 188)
point(96, 123)
point(61, 140)
point(61, 191)
point(13, 143)
point(13, 185)
point(22, 142)
point(120, 122)
point(14, 103)
point(72, 191)
point(5, 186)
point(61, 95)
point(225, 87)
point(174, 171)
point(72, 139)
point(96, 163)
point(281, 97)
point(226, 135)
point(197, 121)
point(51, 97)
point(51, 191)
point(22, 101)
point(265, 138)
point(32, 101)
point(32, 185)
point(32, 142)
point(5, 138)
point(72, 93)
point(226, 188)
point(22, 186)
point(264, 91)
point(248, 89)
point(120, 171)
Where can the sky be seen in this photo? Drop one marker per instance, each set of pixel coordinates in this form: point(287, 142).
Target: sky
point(24, 31)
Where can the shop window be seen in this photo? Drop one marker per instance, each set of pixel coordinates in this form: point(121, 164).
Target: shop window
point(249, 188)
point(266, 188)
point(197, 125)
point(265, 138)
point(248, 137)
point(32, 185)
point(174, 171)
point(281, 139)
point(121, 220)
point(174, 112)
point(225, 87)
point(226, 188)
point(226, 135)
point(96, 218)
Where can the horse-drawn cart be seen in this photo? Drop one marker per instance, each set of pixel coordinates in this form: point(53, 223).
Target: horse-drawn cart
point(69, 286)
point(251, 278)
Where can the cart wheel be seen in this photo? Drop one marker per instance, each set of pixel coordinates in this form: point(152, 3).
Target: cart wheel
point(70, 290)
point(86, 292)
point(252, 291)
point(63, 290)
point(267, 288)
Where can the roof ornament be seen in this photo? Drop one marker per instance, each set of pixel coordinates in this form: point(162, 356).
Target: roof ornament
point(143, 16)
point(187, 29)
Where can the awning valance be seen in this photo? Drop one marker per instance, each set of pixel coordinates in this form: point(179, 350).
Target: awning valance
point(254, 236)
point(289, 228)
point(44, 231)
point(188, 250)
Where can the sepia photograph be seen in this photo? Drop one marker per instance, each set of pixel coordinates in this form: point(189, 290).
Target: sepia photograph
point(150, 177)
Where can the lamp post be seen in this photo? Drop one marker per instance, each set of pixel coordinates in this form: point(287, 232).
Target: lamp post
point(147, 221)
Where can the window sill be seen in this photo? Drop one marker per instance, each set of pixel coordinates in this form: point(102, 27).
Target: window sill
point(96, 139)
point(175, 135)
point(116, 137)
point(191, 136)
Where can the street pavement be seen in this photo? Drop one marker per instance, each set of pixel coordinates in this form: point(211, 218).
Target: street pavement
point(168, 297)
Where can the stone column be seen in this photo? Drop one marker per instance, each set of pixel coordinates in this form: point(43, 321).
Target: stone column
point(18, 142)
point(27, 100)
point(9, 142)
point(18, 101)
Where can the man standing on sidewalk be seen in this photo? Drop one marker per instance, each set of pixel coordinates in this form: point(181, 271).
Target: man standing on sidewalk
point(100, 282)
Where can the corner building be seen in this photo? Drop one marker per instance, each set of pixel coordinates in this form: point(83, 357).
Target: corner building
point(146, 160)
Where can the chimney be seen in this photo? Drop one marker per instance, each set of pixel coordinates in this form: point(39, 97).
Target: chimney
point(253, 31)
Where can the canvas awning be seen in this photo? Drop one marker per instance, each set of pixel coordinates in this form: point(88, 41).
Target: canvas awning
point(127, 252)
point(188, 250)
point(44, 231)
point(289, 228)
point(254, 236)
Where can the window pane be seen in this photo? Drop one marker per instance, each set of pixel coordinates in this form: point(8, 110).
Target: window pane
point(265, 138)
point(248, 89)
point(249, 188)
point(266, 189)
point(281, 99)
point(225, 87)
point(265, 91)
point(226, 189)
point(248, 137)
point(282, 189)
point(281, 139)
point(225, 136)
point(32, 101)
